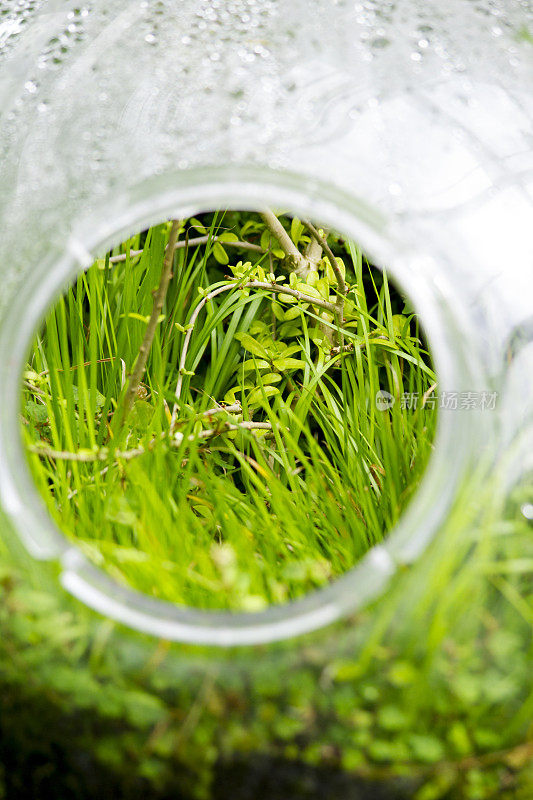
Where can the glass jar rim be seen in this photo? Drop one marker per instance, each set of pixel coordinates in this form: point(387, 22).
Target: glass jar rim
point(185, 194)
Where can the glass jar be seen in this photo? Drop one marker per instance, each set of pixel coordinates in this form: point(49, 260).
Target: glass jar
point(407, 129)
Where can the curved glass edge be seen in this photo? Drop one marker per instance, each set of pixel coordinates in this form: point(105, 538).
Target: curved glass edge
point(454, 442)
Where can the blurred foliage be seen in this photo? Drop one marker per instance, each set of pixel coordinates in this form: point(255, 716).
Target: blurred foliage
point(427, 695)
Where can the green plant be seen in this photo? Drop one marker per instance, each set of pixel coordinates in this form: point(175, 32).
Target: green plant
point(429, 690)
point(213, 438)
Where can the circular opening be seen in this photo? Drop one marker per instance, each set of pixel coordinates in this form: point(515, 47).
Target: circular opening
point(229, 411)
point(169, 620)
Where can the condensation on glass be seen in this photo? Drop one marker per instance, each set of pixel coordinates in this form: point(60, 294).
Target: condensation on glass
point(406, 125)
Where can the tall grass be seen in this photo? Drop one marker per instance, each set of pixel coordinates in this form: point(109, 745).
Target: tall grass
point(216, 510)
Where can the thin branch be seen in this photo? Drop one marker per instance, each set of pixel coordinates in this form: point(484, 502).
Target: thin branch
point(322, 241)
point(88, 456)
point(269, 287)
point(84, 364)
point(184, 349)
point(159, 299)
point(198, 240)
point(276, 229)
point(280, 289)
point(285, 242)
point(346, 348)
point(33, 388)
point(342, 287)
point(234, 408)
point(247, 425)
point(273, 315)
point(313, 252)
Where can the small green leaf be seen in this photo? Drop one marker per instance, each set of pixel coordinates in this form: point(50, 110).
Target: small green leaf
point(278, 311)
point(288, 298)
point(267, 239)
point(289, 350)
point(345, 671)
point(426, 748)
point(141, 318)
point(251, 344)
point(195, 223)
point(135, 315)
point(228, 236)
point(310, 291)
point(289, 329)
point(230, 397)
point(392, 718)
point(258, 326)
point(183, 328)
point(284, 364)
point(250, 226)
point(250, 364)
point(459, 739)
point(293, 313)
point(297, 229)
point(323, 287)
point(259, 393)
point(330, 273)
point(220, 254)
point(402, 673)
point(401, 325)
